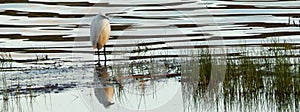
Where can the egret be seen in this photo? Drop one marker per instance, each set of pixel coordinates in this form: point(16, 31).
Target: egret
point(99, 34)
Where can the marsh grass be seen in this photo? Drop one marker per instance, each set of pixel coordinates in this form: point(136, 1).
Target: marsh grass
point(271, 72)
point(10, 87)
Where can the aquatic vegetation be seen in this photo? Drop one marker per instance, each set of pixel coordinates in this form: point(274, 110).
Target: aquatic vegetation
point(271, 72)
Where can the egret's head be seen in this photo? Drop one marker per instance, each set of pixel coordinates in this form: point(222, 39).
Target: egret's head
point(104, 16)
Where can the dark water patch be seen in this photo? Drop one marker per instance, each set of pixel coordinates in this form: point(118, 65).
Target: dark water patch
point(175, 25)
point(143, 17)
point(65, 3)
point(235, 37)
point(39, 38)
point(13, 1)
point(44, 63)
point(104, 4)
point(278, 7)
point(40, 14)
point(20, 89)
point(169, 4)
point(231, 6)
point(25, 26)
point(45, 51)
point(10, 49)
point(114, 26)
point(189, 25)
point(172, 9)
point(47, 38)
point(149, 43)
point(24, 61)
point(226, 6)
point(135, 44)
point(158, 36)
point(148, 4)
point(256, 36)
point(285, 33)
point(150, 76)
point(80, 25)
point(239, 14)
point(119, 27)
point(292, 14)
point(234, 54)
point(71, 15)
point(263, 24)
point(65, 29)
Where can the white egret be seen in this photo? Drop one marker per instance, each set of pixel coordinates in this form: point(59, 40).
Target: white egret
point(99, 34)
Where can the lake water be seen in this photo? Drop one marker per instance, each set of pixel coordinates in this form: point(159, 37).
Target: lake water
point(44, 45)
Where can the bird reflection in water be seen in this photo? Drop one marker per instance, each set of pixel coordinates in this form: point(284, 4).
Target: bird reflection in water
point(105, 90)
point(120, 86)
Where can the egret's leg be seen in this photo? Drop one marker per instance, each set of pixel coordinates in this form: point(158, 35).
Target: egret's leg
point(104, 56)
point(98, 53)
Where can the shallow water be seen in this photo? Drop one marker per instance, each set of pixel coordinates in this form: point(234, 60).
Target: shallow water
point(51, 40)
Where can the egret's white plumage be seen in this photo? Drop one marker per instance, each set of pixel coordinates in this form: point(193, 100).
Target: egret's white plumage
point(99, 31)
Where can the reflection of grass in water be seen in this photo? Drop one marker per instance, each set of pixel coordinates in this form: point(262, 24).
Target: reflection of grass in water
point(120, 70)
point(5, 94)
point(11, 99)
point(14, 104)
point(5, 57)
point(117, 71)
point(136, 86)
point(271, 72)
point(4, 63)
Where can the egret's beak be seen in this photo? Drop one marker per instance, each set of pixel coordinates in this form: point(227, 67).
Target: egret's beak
point(104, 16)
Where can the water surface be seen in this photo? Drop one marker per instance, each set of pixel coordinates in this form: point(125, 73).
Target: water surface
point(47, 42)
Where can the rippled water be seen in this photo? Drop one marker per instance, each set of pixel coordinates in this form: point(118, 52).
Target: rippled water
point(51, 34)
point(51, 27)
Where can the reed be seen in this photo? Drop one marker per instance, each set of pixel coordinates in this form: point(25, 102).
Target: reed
point(272, 70)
